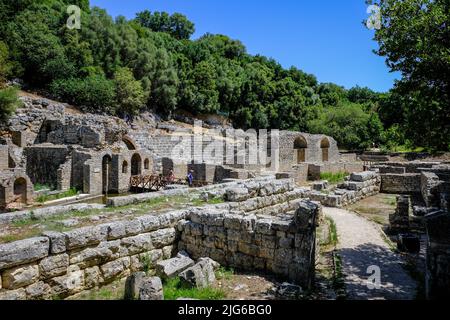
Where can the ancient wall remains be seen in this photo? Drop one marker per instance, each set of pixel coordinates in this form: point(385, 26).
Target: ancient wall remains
point(401, 183)
point(61, 264)
point(43, 162)
point(284, 246)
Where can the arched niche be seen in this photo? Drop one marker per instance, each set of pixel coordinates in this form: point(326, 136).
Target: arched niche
point(300, 146)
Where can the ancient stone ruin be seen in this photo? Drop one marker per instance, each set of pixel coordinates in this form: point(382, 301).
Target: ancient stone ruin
point(250, 215)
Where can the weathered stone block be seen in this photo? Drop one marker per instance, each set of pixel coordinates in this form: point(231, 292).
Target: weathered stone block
point(121, 229)
point(69, 284)
point(133, 285)
point(86, 236)
point(151, 289)
point(23, 251)
point(38, 291)
point(18, 294)
point(54, 266)
point(95, 256)
point(200, 275)
point(149, 223)
point(20, 276)
point(163, 237)
point(114, 269)
point(172, 267)
point(93, 277)
point(57, 241)
point(138, 244)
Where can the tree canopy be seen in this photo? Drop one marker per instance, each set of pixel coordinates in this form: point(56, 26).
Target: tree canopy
point(119, 66)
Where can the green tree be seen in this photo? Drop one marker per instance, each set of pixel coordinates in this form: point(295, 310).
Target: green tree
point(93, 94)
point(8, 103)
point(415, 39)
point(176, 25)
point(349, 124)
point(5, 67)
point(129, 93)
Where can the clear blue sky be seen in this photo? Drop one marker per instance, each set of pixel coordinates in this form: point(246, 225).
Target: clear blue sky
point(322, 37)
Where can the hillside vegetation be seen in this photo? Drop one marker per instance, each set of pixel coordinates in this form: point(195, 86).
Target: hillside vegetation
point(121, 67)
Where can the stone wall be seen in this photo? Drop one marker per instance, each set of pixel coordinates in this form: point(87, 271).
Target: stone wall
point(4, 154)
point(401, 183)
point(43, 162)
point(63, 264)
point(271, 236)
point(359, 185)
point(313, 152)
point(284, 246)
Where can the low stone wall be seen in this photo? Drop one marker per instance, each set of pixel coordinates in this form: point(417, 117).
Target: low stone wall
point(284, 245)
point(314, 170)
point(63, 264)
point(46, 212)
point(359, 186)
point(401, 183)
point(273, 238)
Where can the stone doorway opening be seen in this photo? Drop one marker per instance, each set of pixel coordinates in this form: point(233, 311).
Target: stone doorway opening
point(136, 165)
point(300, 146)
point(20, 190)
point(106, 173)
point(325, 146)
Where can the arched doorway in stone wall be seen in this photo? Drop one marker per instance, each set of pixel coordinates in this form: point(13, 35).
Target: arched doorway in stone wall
point(136, 164)
point(325, 146)
point(106, 173)
point(20, 190)
point(300, 146)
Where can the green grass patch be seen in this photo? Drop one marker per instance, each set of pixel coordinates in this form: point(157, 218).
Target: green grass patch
point(338, 277)
point(39, 187)
point(50, 197)
point(224, 273)
point(333, 232)
point(333, 178)
point(173, 289)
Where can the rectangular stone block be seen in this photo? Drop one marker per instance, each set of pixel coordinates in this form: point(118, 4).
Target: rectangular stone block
point(86, 236)
point(54, 266)
point(23, 251)
point(20, 276)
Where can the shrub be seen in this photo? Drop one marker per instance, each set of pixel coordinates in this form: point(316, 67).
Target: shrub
point(9, 101)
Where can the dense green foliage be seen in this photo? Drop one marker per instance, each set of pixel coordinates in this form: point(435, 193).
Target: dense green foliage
point(415, 39)
point(119, 66)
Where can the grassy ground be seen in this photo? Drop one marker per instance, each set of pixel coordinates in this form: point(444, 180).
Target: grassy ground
point(333, 178)
point(173, 289)
point(376, 208)
point(33, 226)
point(50, 197)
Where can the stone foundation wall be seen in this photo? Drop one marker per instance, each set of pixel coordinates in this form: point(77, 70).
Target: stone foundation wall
point(284, 246)
point(401, 183)
point(63, 264)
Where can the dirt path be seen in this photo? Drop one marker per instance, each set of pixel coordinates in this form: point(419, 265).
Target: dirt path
point(361, 246)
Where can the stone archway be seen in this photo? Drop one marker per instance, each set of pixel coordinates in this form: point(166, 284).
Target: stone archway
point(146, 164)
point(129, 143)
point(2, 197)
point(106, 173)
point(20, 190)
point(300, 146)
point(325, 146)
point(136, 164)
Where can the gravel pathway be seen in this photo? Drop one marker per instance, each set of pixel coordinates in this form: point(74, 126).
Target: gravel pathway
point(362, 246)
